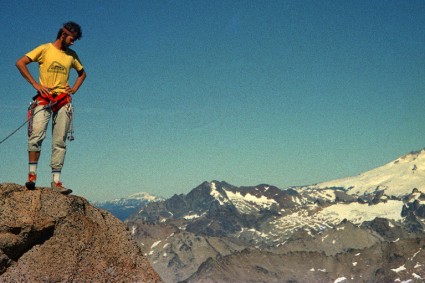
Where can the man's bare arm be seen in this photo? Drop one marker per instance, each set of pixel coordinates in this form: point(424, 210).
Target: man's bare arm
point(78, 82)
point(21, 64)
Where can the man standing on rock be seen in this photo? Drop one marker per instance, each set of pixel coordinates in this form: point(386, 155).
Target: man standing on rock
point(53, 99)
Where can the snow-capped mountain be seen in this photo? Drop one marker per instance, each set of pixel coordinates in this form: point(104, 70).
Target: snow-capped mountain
point(396, 178)
point(368, 228)
point(122, 208)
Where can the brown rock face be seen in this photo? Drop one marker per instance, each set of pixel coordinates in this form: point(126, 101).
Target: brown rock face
point(49, 237)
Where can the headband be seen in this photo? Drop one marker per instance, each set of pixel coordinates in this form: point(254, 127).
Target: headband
point(68, 32)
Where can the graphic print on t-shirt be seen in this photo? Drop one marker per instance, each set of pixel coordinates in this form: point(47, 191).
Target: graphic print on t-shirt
point(56, 67)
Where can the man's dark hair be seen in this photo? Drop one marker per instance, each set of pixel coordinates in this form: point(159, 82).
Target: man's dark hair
point(73, 28)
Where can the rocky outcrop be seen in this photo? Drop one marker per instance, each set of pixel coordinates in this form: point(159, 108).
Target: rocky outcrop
point(49, 237)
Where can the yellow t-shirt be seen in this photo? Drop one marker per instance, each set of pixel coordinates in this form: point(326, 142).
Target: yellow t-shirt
point(54, 65)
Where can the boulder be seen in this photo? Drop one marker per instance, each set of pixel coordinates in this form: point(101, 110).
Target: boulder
point(49, 237)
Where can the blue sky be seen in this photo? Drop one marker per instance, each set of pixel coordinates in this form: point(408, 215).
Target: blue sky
point(249, 92)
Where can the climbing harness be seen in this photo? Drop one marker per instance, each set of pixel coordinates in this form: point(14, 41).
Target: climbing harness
point(55, 102)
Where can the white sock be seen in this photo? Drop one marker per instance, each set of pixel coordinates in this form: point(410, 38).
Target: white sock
point(33, 167)
point(56, 176)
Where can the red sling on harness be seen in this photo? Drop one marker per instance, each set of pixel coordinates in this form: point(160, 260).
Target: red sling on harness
point(56, 100)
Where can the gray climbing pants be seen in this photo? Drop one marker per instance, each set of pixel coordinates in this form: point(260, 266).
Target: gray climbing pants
point(61, 122)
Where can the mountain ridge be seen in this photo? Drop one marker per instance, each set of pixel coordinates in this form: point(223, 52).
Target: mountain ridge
point(291, 224)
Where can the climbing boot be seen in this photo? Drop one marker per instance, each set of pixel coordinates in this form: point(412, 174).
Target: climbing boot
point(32, 177)
point(60, 188)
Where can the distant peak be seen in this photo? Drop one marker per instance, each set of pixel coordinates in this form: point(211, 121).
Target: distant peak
point(144, 195)
point(396, 178)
